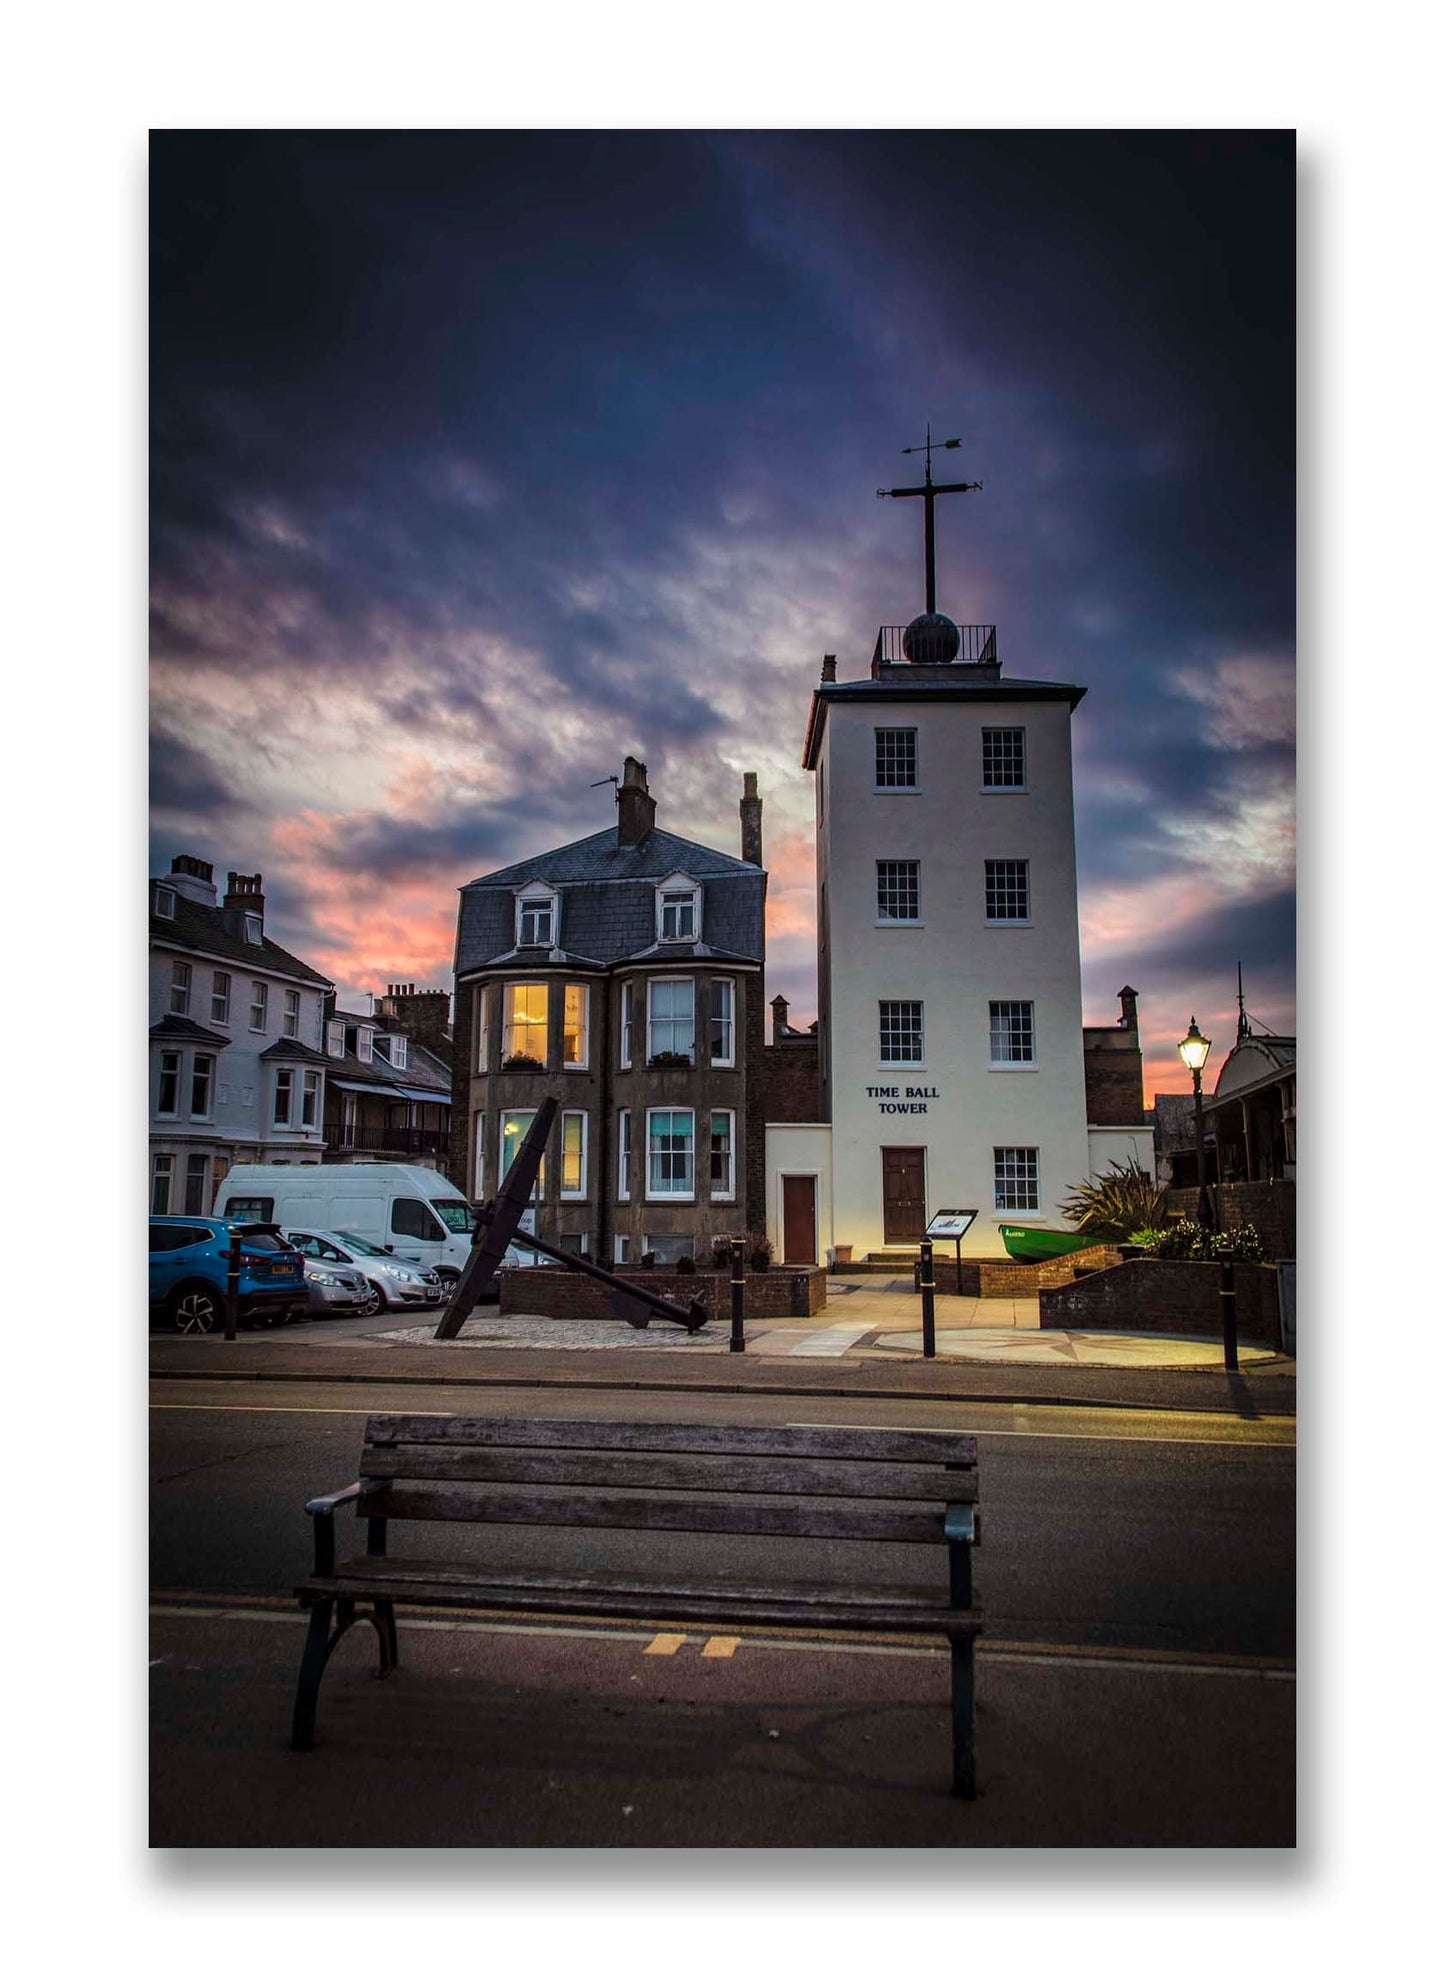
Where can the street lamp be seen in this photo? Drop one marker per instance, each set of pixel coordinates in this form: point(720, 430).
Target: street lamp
point(1194, 1049)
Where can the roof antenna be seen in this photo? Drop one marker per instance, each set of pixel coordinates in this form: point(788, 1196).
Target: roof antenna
point(606, 779)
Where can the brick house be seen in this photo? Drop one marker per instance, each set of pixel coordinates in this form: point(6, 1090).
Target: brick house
point(623, 976)
point(236, 1067)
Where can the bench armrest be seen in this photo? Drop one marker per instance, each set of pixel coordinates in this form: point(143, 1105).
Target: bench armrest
point(961, 1528)
point(323, 1506)
point(323, 1509)
point(962, 1525)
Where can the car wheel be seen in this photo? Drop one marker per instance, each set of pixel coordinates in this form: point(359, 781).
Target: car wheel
point(195, 1311)
point(374, 1304)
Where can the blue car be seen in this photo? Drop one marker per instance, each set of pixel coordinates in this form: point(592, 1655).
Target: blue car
point(188, 1272)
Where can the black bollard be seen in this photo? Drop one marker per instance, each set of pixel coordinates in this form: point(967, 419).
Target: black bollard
point(736, 1342)
point(233, 1284)
point(1228, 1314)
point(925, 1284)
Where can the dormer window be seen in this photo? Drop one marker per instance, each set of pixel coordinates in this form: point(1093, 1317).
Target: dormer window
point(335, 1039)
point(537, 917)
point(363, 1044)
point(679, 908)
point(253, 929)
point(165, 903)
point(398, 1053)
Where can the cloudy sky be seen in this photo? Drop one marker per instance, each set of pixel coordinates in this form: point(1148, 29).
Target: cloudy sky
point(482, 460)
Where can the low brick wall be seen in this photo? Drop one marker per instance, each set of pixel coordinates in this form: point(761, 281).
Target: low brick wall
point(550, 1291)
point(1004, 1276)
point(1149, 1295)
point(1269, 1205)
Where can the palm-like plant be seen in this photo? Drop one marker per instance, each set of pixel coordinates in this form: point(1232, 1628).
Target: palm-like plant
point(1114, 1204)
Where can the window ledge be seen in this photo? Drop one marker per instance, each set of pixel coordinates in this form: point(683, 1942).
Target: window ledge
point(1013, 1067)
point(904, 926)
point(1008, 923)
point(917, 1070)
point(685, 1199)
point(1004, 789)
point(1018, 1214)
point(896, 789)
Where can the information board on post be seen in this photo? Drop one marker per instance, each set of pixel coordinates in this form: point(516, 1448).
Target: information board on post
point(954, 1223)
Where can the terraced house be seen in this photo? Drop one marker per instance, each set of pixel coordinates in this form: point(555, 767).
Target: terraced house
point(623, 976)
point(237, 1070)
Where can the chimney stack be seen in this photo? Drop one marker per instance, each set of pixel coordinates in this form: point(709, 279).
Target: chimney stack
point(751, 812)
point(243, 896)
point(830, 668)
point(636, 811)
point(193, 879)
point(1129, 1003)
point(780, 1018)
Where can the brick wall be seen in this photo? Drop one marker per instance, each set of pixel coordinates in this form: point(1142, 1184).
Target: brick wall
point(1270, 1205)
point(987, 1276)
point(1113, 1085)
point(550, 1291)
point(1153, 1296)
point(791, 1071)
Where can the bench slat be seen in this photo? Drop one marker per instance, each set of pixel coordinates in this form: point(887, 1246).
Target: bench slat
point(422, 1582)
point(679, 1437)
point(653, 1469)
point(803, 1518)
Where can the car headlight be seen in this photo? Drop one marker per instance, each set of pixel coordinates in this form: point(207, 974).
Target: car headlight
point(326, 1277)
point(399, 1271)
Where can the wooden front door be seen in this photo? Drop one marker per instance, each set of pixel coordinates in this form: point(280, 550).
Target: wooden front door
point(904, 1219)
point(800, 1218)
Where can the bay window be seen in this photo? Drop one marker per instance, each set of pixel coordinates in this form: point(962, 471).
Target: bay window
point(281, 1104)
point(670, 1019)
point(168, 1095)
point(720, 1022)
point(669, 1154)
point(720, 1156)
point(524, 1021)
point(574, 1155)
point(624, 1156)
point(310, 1097)
point(574, 1026)
point(624, 1056)
point(202, 1071)
point(515, 1126)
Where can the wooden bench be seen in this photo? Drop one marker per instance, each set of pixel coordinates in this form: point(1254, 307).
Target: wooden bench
point(889, 1486)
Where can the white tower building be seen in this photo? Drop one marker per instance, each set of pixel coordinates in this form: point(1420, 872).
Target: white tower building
point(950, 1014)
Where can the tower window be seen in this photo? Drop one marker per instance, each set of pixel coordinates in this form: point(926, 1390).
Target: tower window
point(900, 1032)
point(898, 888)
point(896, 758)
point(1016, 1177)
point(1006, 889)
point(1003, 758)
point(1010, 1033)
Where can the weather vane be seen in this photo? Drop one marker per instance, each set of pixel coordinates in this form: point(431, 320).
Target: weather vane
point(930, 490)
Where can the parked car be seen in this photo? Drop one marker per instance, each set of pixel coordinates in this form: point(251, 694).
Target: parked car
point(335, 1288)
point(390, 1281)
point(411, 1212)
point(188, 1258)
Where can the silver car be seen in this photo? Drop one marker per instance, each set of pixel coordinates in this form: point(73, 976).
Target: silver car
point(390, 1282)
point(335, 1288)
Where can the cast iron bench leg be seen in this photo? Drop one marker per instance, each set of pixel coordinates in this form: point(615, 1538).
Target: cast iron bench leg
point(386, 1627)
point(313, 1663)
point(961, 1657)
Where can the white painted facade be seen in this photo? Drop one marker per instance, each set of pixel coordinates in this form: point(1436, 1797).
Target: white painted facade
point(800, 1150)
point(1121, 1144)
point(955, 1104)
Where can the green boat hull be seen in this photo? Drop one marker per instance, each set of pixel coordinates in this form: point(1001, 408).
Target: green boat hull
point(1041, 1245)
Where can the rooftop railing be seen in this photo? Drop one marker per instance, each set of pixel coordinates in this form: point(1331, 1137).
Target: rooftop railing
point(977, 646)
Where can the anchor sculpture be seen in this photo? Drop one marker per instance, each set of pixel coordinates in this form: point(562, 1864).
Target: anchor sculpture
point(498, 1227)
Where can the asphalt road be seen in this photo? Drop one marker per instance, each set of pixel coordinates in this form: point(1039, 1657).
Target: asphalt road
point(1162, 1532)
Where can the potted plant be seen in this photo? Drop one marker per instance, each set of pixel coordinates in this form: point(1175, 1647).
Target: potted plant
point(761, 1257)
point(842, 1253)
point(520, 1061)
point(670, 1060)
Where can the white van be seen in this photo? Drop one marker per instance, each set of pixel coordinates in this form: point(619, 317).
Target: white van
point(415, 1212)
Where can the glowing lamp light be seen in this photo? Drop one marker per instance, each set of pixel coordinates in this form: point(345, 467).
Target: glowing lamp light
point(1194, 1048)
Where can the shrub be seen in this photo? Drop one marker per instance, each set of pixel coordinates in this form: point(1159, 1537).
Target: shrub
point(649, 1259)
point(670, 1060)
point(1149, 1239)
point(722, 1253)
point(519, 1061)
point(1188, 1242)
point(762, 1254)
point(1114, 1204)
point(686, 1267)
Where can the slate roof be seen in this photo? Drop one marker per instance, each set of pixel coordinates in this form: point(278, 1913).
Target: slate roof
point(203, 930)
point(424, 1071)
point(186, 1031)
point(607, 904)
point(289, 1050)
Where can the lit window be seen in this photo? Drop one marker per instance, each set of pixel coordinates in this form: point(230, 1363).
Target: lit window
point(220, 998)
point(1006, 889)
point(259, 996)
point(895, 758)
point(574, 1153)
point(202, 1072)
point(898, 888)
point(1003, 758)
point(1010, 1033)
point(1016, 1177)
point(669, 1153)
point(900, 1032)
point(524, 1021)
point(671, 1014)
point(180, 988)
point(720, 1156)
point(291, 1020)
point(574, 1026)
point(514, 1130)
point(720, 1022)
point(168, 1097)
point(165, 907)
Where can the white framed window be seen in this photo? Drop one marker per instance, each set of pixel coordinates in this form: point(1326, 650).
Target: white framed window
point(524, 1021)
point(396, 1051)
point(197, 1174)
point(898, 890)
point(1010, 1033)
point(895, 758)
point(622, 1249)
point(578, 1245)
point(220, 997)
point(168, 1090)
point(624, 1054)
point(721, 997)
point(900, 1032)
point(536, 917)
point(720, 1155)
point(624, 1155)
point(1016, 1177)
point(671, 1018)
point(1003, 758)
point(310, 1097)
point(574, 1026)
point(291, 1015)
point(479, 1154)
point(180, 988)
point(670, 1248)
point(259, 999)
point(283, 1098)
point(1005, 891)
point(253, 929)
point(335, 1037)
point(514, 1127)
point(163, 1166)
point(573, 1185)
point(679, 908)
point(669, 1154)
point(364, 1043)
point(483, 1008)
point(203, 1076)
point(165, 909)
